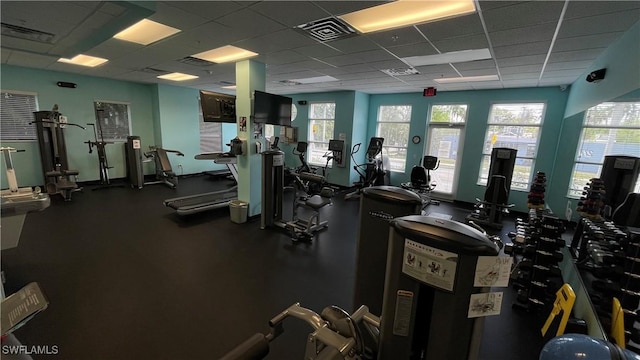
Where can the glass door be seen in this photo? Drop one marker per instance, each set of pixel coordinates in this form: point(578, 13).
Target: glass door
point(445, 136)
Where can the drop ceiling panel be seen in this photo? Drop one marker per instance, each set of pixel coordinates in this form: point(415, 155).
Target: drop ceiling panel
point(454, 27)
point(562, 73)
point(557, 81)
point(529, 34)
point(521, 76)
point(168, 14)
point(284, 39)
point(361, 75)
point(396, 37)
point(388, 64)
point(206, 36)
point(487, 85)
point(462, 43)
point(475, 65)
point(521, 60)
point(519, 83)
point(522, 15)
point(488, 5)
point(208, 9)
point(375, 56)
point(285, 57)
point(479, 72)
point(114, 48)
point(578, 9)
point(577, 55)
point(37, 15)
point(319, 51)
point(541, 47)
point(290, 13)
point(521, 69)
point(30, 60)
point(569, 65)
point(419, 49)
point(342, 60)
point(343, 7)
point(252, 24)
point(310, 65)
point(350, 69)
point(598, 41)
point(613, 22)
point(108, 70)
point(9, 42)
point(354, 44)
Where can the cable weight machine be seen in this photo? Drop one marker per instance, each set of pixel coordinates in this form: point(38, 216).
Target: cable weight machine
point(58, 178)
point(100, 145)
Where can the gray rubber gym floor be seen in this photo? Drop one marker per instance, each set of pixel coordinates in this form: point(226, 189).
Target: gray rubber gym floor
point(129, 279)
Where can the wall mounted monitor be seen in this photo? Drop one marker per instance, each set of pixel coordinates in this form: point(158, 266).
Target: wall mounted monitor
point(217, 107)
point(271, 109)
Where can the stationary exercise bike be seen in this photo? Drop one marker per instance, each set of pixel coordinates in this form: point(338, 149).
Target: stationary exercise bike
point(374, 171)
point(421, 182)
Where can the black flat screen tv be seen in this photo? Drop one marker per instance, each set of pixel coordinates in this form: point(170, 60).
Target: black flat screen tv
point(271, 109)
point(217, 107)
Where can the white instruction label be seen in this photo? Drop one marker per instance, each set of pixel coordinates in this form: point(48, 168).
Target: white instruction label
point(485, 304)
point(278, 160)
point(493, 271)
point(430, 265)
point(136, 144)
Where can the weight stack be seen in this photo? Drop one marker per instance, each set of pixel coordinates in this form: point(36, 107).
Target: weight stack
point(378, 206)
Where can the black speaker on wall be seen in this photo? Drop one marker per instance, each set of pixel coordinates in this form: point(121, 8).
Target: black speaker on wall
point(67, 84)
point(596, 75)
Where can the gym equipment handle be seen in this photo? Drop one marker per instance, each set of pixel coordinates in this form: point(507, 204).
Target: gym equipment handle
point(254, 348)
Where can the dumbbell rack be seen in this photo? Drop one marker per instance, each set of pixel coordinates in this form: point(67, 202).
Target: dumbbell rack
point(537, 276)
point(609, 262)
point(536, 193)
point(591, 204)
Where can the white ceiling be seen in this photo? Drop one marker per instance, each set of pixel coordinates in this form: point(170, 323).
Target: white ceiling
point(533, 43)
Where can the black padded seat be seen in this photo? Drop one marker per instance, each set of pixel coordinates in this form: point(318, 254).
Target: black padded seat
point(316, 202)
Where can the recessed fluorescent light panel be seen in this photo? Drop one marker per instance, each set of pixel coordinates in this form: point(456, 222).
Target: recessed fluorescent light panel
point(176, 76)
point(449, 57)
point(84, 60)
point(225, 54)
point(314, 80)
point(145, 32)
point(230, 87)
point(466, 79)
point(406, 12)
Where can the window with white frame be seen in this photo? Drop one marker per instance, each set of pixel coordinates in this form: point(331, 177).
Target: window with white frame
point(610, 128)
point(16, 112)
point(113, 120)
point(321, 124)
point(515, 126)
point(393, 126)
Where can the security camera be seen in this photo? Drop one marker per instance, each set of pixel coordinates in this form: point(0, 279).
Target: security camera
point(596, 75)
point(563, 87)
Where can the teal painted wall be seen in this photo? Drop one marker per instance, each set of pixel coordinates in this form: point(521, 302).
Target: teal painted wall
point(623, 74)
point(478, 112)
point(359, 133)
point(558, 183)
point(77, 105)
point(178, 120)
point(345, 103)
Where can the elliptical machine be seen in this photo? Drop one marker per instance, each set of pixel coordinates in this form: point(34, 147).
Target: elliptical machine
point(373, 172)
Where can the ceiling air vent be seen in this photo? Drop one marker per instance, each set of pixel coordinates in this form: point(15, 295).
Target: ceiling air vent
point(289, 82)
point(327, 29)
point(190, 60)
point(28, 34)
point(154, 71)
point(400, 71)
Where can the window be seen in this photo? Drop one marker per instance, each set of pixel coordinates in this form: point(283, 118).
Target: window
point(445, 138)
point(321, 124)
point(393, 126)
point(611, 128)
point(114, 119)
point(210, 133)
point(515, 126)
point(16, 111)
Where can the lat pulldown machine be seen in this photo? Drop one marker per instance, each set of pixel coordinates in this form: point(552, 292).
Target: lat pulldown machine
point(58, 178)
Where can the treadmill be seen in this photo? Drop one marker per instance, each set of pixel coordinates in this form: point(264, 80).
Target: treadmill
point(187, 205)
